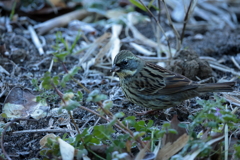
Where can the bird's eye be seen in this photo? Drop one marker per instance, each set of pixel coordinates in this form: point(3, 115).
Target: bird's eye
point(125, 62)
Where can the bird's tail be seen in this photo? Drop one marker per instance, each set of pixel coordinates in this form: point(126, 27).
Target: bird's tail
point(217, 87)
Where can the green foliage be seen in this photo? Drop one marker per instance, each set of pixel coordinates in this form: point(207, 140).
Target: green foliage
point(79, 96)
point(34, 82)
point(96, 96)
point(142, 7)
point(13, 10)
point(237, 149)
point(47, 81)
point(67, 77)
point(144, 129)
point(138, 4)
point(213, 116)
point(51, 150)
point(63, 51)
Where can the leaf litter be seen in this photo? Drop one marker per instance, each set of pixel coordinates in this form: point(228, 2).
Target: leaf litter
point(100, 48)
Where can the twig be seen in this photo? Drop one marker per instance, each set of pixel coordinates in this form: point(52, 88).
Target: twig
point(235, 62)
point(158, 23)
point(61, 20)
point(178, 40)
point(159, 13)
point(186, 18)
point(120, 125)
point(4, 131)
point(224, 68)
point(61, 96)
point(35, 40)
point(45, 130)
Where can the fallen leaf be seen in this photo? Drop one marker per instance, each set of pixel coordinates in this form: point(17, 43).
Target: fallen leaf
point(172, 148)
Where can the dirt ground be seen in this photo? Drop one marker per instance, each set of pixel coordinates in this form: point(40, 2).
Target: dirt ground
point(25, 63)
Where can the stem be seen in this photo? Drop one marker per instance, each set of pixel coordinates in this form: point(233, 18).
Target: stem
point(158, 23)
point(61, 96)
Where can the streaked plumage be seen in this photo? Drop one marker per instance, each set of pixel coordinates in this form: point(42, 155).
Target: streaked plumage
point(152, 86)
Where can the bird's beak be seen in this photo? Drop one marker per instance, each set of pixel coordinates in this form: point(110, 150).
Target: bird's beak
point(115, 68)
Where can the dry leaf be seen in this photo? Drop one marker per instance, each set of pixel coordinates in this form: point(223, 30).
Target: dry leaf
point(67, 150)
point(171, 137)
point(21, 103)
point(232, 97)
point(170, 149)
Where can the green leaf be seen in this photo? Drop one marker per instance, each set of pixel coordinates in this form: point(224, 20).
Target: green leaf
point(47, 81)
point(212, 124)
point(79, 96)
point(237, 149)
point(64, 135)
point(95, 96)
point(67, 77)
point(75, 42)
point(71, 105)
point(129, 121)
point(138, 134)
point(103, 132)
point(229, 117)
point(81, 153)
point(3, 115)
point(55, 80)
point(61, 55)
point(210, 116)
point(183, 125)
point(139, 5)
point(140, 126)
point(107, 104)
point(99, 98)
point(119, 115)
point(161, 133)
point(166, 125)
point(150, 123)
point(173, 131)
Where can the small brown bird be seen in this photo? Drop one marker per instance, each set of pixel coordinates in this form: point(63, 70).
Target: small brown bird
point(152, 86)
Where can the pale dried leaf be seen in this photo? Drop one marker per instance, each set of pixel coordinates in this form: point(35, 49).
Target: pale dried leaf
point(170, 149)
point(141, 49)
point(142, 152)
point(89, 59)
point(171, 137)
point(232, 98)
point(115, 13)
point(21, 103)
point(67, 150)
point(115, 41)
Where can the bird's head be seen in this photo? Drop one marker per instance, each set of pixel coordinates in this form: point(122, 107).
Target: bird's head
point(126, 64)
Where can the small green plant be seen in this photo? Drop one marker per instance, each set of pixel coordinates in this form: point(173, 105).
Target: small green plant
point(134, 132)
point(212, 119)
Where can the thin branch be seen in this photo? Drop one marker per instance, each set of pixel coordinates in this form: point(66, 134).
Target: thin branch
point(186, 18)
point(45, 130)
point(158, 23)
point(178, 41)
point(61, 96)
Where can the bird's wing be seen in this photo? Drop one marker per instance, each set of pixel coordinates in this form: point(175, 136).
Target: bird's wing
point(153, 79)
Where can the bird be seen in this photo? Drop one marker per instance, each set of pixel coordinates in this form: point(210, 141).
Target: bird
point(152, 86)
